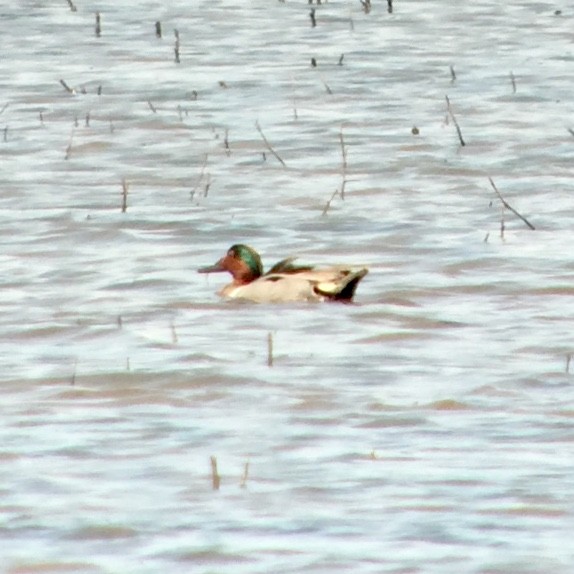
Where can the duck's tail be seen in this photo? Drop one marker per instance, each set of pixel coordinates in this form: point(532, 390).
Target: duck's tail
point(344, 288)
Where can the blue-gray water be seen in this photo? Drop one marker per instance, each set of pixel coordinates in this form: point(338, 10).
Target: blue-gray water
point(426, 429)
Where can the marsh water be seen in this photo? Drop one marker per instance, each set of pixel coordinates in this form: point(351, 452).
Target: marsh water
point(426, 428)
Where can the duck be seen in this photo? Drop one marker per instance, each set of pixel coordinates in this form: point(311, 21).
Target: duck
point(285, 282)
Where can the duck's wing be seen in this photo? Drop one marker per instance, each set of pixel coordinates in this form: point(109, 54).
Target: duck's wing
point(286, 266)
point(339, 284)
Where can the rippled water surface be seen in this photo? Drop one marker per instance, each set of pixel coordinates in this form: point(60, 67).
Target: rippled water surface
point(426, 428)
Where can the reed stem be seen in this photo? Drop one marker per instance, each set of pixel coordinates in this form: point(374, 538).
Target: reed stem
point(509, 207)
point(268, 145)
point(451, 113)
point(215, 478)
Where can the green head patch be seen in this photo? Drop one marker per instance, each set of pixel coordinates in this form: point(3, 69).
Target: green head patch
point(249, 256)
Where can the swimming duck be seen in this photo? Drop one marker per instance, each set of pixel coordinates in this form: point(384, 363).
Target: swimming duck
point(285, 282)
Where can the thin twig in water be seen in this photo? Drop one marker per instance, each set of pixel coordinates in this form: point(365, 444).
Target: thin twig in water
point(176, 47)
point(452, 74)
point(449, 109)
point(207, 185)
point(243, 482)
point(125, 188)
point(67, 88)
point(508, 206)
point(268, 145)
point(513, 82)
point(571, 131)
point(366, 6)
point(200, 178)
point(313, 19)
point(72, 7)
point(69, 148)
point(98, 25)
point(328, 204)
point(151, 107)
point(73, 381)
point(215, 478)
point(226, 143)
point(3, 109)
point(270, 349)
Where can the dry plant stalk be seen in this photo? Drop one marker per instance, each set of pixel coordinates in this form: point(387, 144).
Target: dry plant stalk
point(313, 19)
point(270, 349)
point(73, 381)
point(513, 82)
point(243, 482)
point(158, 29)
point(124, 195)
point(200, 179)
point(69, 148)
point(328, 204)
point(366, 6)
point(98, 25)
point(506, 205)
point(176, 47)
point(215, 478)
point(226, 143)
point(450, 112)
point(268, 145)
point(67, 88)
point(568, 360)
point(72, 7)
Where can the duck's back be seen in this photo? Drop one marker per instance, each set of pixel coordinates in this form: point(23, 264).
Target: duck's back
point(336, 283)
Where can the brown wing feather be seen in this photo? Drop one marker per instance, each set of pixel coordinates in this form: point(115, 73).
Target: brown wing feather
point(286, 266)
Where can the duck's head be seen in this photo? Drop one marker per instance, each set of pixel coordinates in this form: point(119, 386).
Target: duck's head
point(242, 261)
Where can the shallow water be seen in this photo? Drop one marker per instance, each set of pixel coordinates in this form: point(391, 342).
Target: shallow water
point(426, 428)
